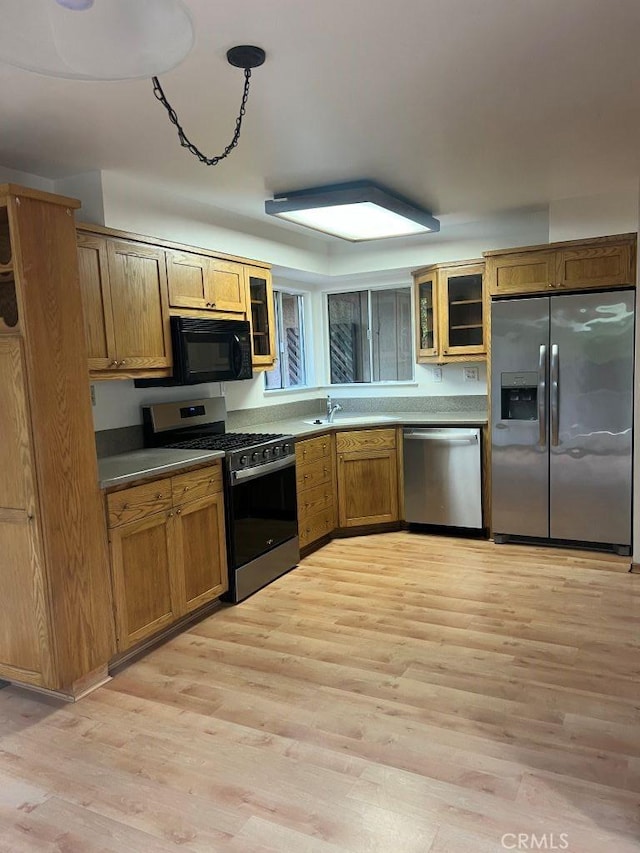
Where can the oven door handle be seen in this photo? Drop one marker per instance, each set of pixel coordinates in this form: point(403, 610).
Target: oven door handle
point(261, 470)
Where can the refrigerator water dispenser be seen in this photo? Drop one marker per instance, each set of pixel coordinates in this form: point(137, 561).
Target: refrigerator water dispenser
point(519, 396)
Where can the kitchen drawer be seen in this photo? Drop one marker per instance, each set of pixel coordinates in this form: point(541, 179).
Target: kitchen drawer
point(317, 525)
point(366, 439)
point(313, 474)
point(139, 502)
point(197, 484)
point(315, 499)
point(312, 449)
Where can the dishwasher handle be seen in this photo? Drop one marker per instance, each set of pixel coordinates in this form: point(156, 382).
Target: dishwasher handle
point(443, 437)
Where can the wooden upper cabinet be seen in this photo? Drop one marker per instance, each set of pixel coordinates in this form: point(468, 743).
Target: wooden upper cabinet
point(227, 286)
point(461, 311)
point(205, 283)
point(126, 312)
point(449, 309)
point(596, 266)
point(138, 287)
point(576, 265)
point(96, 302)
point(260, 296)
point(523, 272)
point(187, 275)
point(426, 316)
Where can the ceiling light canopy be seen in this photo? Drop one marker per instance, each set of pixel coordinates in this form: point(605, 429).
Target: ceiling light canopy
point(356, 211)
point(95, 39)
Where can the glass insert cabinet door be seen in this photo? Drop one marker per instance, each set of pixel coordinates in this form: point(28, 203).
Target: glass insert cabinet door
point(426, 316)
point(462, 311)
point(262, 316)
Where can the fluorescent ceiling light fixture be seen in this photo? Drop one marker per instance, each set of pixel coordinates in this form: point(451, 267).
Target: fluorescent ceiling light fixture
point(95, 39)
point(356, 211)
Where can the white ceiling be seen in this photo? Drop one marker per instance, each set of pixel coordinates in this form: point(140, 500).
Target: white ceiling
point(466, 106)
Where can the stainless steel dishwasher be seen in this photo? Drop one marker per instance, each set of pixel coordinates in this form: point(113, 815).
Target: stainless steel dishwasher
point(442, 479)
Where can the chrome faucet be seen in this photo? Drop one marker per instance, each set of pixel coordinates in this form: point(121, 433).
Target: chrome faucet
point(331, 410)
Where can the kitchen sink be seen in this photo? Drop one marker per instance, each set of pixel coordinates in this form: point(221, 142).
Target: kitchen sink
point(349, 420)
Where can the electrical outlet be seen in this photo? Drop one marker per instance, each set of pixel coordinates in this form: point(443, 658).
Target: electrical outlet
point(93, 394)
point(470, 374)
point(436, 374)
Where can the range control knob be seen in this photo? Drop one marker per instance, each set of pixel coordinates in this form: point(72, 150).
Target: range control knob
point(266, 453)
point(286, 448)
point(277, 450)
point(255, 456)
point(243, 460)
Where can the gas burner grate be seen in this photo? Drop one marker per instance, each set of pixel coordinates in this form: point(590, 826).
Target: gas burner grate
point(226, 441)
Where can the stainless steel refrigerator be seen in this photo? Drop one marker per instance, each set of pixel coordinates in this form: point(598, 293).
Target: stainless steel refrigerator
point(562, 417)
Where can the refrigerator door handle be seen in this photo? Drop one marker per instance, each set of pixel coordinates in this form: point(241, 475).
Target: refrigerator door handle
point(555, 409)
point(542, 396)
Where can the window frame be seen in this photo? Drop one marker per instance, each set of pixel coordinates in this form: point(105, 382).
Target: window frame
point(401, 285)
point(280, 344)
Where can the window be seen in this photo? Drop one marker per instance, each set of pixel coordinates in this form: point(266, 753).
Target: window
point(290, 368)
point(370, 336)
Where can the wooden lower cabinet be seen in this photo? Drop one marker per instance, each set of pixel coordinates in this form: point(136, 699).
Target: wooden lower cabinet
point(172, 561)
point(145, 588)
point(201, 552)
point(367, 467)
point(315, 479)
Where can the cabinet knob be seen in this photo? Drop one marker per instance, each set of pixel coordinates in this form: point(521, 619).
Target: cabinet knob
point(113, 364)
point(125, 506)
point(158, 496)
point(170, 515)
point(186, 489)
point(306, 476)
point(178, 511)
point(122, 363)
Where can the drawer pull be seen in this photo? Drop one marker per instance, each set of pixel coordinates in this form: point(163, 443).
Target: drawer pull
point(159, 496)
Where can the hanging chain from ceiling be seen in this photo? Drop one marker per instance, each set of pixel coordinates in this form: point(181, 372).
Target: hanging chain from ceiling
point(184, 139)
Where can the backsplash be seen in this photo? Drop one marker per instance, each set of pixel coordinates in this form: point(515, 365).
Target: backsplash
point(110, 442)
point(245, 418)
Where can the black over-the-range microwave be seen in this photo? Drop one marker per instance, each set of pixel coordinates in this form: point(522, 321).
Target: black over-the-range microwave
point(207, 351)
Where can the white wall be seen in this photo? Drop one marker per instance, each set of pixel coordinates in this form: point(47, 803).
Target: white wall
point(594, 216)
point(134, 205)
point(26, 179)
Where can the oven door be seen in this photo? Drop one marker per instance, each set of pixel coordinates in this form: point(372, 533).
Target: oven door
point(263, 510)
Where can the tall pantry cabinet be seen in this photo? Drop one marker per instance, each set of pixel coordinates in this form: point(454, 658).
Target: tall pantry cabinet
point(56, 626)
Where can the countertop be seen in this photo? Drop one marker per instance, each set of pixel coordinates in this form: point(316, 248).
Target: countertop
point(154, 462)
point(300, 429)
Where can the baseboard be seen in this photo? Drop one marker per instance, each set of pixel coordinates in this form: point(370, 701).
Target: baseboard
point(635, 568)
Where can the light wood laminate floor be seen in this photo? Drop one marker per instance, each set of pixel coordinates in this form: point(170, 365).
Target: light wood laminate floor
point(395, 692)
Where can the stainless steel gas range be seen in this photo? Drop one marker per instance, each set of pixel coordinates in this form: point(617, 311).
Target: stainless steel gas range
point(259, 482)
